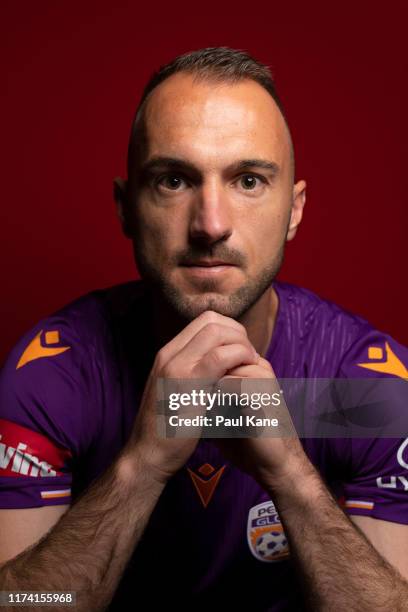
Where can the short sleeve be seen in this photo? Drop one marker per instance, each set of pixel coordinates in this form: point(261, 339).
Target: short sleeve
point(44, 391)
point(376, 484)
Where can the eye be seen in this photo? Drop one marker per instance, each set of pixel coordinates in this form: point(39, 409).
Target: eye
point(250, 182)
point(172, 182)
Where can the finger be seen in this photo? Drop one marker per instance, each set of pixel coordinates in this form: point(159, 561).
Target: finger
point(209, 316)
point(264, 363)
point(220, 359)
point(208, 338)
point(251, 371)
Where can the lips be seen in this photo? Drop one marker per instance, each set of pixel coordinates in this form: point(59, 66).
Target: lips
point(203, 263)
point(203, 269)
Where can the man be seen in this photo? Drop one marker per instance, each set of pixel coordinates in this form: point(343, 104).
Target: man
point(209, 203)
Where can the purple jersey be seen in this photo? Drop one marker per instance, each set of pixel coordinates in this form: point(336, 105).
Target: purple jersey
point(69, 393)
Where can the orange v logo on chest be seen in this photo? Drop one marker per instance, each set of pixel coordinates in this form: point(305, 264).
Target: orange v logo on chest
point(206, 484)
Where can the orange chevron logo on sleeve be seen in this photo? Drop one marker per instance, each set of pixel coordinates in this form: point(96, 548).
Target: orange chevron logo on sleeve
point(35, 350)
point(390, 365)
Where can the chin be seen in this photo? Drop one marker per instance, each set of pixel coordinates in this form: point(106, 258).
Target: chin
point(189, 302)
point(189, 306)
point(193, 306)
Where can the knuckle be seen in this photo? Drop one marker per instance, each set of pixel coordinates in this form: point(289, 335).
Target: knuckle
point(213, 329)
point(168, 372)
point(160, 359)
point(243, 328)
point(210, 316)
point(265, 363)
point(249, 346)
point(216, 356)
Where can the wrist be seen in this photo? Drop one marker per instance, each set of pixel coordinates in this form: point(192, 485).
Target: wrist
point(133, 471)
point(298, 482)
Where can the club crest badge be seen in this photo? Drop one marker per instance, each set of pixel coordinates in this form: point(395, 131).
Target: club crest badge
point(266, 538)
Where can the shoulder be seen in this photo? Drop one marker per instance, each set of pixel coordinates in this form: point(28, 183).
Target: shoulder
point(77, 328)
point(335, 341)
point(54, 378)
point(307, 309)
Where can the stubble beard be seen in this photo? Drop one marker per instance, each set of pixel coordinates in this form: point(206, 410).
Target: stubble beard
point(188, 307)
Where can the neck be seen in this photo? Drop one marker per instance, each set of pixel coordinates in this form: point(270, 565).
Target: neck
point(259, 321)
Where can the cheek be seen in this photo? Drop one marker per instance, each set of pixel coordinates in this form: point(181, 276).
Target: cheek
point(157, 233)
point(264, 234)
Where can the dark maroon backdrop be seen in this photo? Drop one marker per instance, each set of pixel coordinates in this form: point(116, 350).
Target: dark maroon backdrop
point(72, 73)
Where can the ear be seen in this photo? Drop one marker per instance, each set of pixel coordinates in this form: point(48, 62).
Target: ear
point(120, 197)
point(298, 202)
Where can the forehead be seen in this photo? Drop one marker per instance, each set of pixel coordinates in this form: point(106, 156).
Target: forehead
point(209, 122)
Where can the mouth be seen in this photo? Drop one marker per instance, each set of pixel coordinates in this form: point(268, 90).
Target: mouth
point(206, 263)
point(205, 267)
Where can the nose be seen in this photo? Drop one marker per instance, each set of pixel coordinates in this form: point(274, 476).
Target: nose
point(211, 215)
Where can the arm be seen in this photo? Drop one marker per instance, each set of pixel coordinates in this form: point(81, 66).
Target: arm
point(340, 569)
point(390, 539)
point(342, 566)
point(88, 549)
point(23, 527)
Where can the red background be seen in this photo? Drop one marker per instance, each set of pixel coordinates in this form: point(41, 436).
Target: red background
point(73, 72)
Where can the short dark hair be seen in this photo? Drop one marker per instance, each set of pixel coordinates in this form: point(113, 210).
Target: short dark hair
point(220, 64)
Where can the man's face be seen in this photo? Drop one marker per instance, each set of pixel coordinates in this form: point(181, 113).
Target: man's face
point(215, 197)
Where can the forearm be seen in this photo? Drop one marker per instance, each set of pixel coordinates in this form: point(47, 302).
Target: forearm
point(88, 549)
point(339, 568)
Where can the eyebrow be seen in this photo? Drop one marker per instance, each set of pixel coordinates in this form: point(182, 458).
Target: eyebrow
point(264, 164)
point(174, 163)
